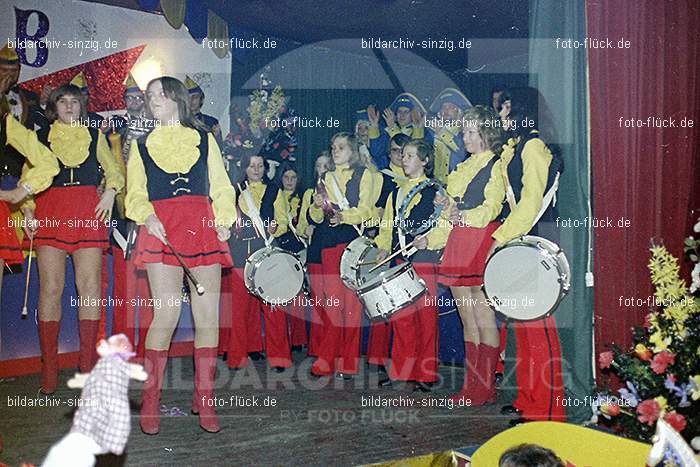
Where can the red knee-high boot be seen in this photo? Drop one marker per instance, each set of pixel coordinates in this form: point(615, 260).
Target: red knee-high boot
point(48, 342)
point(88, 339)
point(154, 364)
point(204, 377)
point(471, 379)
point(485, 368)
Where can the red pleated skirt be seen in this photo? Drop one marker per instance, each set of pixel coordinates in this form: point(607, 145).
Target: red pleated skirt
point(189, 226)
point(66, 219)
point(465, 255)
point(10, 249)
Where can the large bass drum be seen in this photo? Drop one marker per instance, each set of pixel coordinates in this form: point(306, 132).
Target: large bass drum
point(527, 278)
point(274, 275)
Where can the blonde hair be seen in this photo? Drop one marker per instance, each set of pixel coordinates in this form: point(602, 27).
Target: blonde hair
point(489, 125)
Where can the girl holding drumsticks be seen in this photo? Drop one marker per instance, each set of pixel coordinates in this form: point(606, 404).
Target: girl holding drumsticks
point(353, 191)
point(180, 194)
point(415, 328)
point(478, 187)
point(266, 201)
point(71, 220)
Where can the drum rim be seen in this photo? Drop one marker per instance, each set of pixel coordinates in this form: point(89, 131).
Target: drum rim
point(401, 268)
point(349, 281)
point(534, 240)
point(399, 307)
point(249, 278)
point(432, 218)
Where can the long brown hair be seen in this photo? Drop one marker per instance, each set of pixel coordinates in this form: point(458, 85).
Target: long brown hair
point(355, 159)
point(175, 91)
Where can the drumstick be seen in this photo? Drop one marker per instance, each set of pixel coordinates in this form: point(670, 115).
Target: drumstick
point(26, 281)
point(391, 256)
point(188, 273)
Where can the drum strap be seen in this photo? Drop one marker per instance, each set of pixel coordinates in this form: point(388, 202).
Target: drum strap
point(254, 215)
point(402, 238)
point(343, 202)
point(293, 229)
point(549, 198)
point(394, 175)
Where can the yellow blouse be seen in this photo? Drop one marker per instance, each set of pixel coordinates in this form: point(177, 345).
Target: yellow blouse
point(370, 188)
point(536, 159)
point(494, 191)
point(175, 150)
point(41, 166)
point(257, 191)
point(306, 201)
point(437, 235)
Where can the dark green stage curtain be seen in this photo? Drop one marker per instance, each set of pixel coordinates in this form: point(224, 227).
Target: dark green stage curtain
point(560, 75)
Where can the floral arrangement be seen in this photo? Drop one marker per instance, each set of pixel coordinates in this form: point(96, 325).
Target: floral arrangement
point(661, 374)
point(265, 105)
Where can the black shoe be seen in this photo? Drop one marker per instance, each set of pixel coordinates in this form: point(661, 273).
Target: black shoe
point(343, 376)
point(278, 369)
point(422, 387)
point(509, 410)
point(256, 356)
point(498, 379)
point(384, 382)
point(297, 348)
point(517, 421)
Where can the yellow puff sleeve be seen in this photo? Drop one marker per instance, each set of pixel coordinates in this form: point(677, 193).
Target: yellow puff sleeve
point(138, 206)
point(41, 165)
point(370, 189)
point(303, 222)
point(281, 208)
point(221, 192)
point(494, 193)
point(536, 161)
point(114, 178)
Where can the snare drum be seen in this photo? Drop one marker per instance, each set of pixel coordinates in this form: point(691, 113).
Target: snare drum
point(358, 258)
point(274, 275)
point(527, 278)
point(387, 292)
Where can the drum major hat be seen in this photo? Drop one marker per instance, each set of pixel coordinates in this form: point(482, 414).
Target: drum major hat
point(192, 86)
point(407, 99)
point(130, 85)
point(453, 96)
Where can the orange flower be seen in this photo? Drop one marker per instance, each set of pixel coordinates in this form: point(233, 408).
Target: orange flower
point(642, 352)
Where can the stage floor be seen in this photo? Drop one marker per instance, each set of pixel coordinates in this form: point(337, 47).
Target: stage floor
point(295, 420)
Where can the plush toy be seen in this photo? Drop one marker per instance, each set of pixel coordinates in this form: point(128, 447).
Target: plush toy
point(103, 420)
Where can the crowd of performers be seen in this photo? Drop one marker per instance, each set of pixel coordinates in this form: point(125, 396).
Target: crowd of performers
point(169, 184)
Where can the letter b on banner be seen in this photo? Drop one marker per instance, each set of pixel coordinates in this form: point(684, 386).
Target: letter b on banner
point(42, 52)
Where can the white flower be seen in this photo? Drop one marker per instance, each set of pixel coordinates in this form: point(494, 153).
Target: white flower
point(695, 277)
point(696, 228)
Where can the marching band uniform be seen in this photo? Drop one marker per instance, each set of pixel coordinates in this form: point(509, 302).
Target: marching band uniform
point(15, 102)
point(379, 332)
point(66, 224)
point(313, 268)
point(448, 141)
point(177, 174)
point(379, 139)
point(415, 328)
point(245, 333)
point(290, 242)
point(478, 185)
point(339, 350)
point(530, 168)
point(95, 120)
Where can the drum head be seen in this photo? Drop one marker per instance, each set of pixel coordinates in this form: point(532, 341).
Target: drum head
point(522, 283)
point(277, 278)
